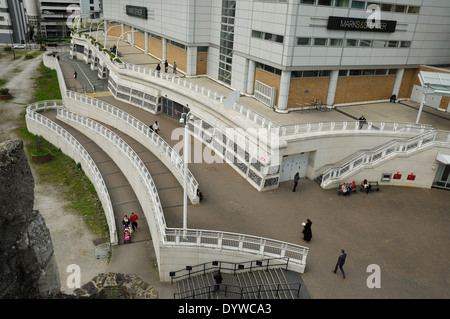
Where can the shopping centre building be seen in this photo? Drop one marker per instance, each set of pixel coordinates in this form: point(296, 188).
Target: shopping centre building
point(285, 55)
point(290, 53)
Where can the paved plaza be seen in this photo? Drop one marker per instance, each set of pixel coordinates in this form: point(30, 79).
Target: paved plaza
point(403, 230)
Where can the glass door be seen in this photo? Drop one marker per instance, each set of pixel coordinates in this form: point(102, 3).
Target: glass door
point(442, 178)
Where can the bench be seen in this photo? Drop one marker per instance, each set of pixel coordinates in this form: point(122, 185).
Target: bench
point(373, 185)
point(339, 191)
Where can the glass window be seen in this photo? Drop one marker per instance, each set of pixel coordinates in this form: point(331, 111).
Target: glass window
point(355, 72)
point(351, 43)
point(392, 71)
point(296, 74)
point(341, 3)
point(279, 38)
point(308, 1)
point(405, 44)
point(324, 2)
point(368, 72)
point(324, 73)
point(387, 7)
point(393, 44)
point(400, 8)
point(268, 36)
point(381, 72)
point(310, 74)
point(303, 41)
point(320, 41)
point(365, 43)
point(336, 42)
point(379, 43)
point(358, 4)
point(413, 9)
point(343, 72)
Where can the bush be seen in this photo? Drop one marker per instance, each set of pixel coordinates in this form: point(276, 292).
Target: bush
point(4, 91)
point(7, 48)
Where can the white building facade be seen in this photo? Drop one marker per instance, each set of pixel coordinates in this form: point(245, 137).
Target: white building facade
point(300, 50)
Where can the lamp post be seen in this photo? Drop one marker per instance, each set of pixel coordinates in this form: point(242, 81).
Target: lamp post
point(98, 26)
point(11, 37)
point(185, 117)
point(106, 33)
point(117, 45)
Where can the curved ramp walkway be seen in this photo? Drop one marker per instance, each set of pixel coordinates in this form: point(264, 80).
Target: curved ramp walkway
point(123, 199)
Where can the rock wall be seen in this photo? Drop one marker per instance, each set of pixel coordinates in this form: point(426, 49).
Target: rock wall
point(28, 268)
point(27, 264)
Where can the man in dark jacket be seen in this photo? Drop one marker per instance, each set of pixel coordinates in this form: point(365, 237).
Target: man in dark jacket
point(340, 263)
point(218, 279)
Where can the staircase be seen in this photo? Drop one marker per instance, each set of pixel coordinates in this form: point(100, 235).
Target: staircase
point(257, 284)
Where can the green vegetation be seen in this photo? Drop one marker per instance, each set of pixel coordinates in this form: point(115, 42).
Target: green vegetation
point(46, 85)
point(76, 188)
point(62, 171)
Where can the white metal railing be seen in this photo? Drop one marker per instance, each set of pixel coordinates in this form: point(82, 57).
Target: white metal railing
point(159, 143)
point(192, 237)
point(381, 153)
point(141, 70)
point(257, 118)
point(353, 126)
point(146, 179)
point(97, 178)
point(257, 245)
point(237, 242)
point(175, 80)
point(265, 94)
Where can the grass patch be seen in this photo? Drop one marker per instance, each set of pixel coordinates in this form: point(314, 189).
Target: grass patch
point(76, 188)
point(46, 85)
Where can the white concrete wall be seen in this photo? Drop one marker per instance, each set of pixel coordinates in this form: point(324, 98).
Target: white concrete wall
point(177, 258)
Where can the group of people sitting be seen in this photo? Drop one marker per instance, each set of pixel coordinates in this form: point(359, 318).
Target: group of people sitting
point(346, 188)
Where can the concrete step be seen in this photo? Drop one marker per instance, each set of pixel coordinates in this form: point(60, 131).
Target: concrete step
point(259, 284)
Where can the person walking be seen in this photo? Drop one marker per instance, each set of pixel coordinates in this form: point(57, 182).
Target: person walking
point(126, 221)
point(134, 219)
point(296, 179)
point(340, 262)
point(158, 68)
point(218, 278)
point(155, 127)
point(362, 120)
point(307, 232)
point(166, 66)
point(75, 74)
point(175, 67)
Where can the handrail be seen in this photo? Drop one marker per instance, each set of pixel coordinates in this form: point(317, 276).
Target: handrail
point(98, 181)
point(378, 154)
point(133, 157)
point(208, 238)
point(189, 271)
point(161, 75)
point(240, 291)
point(157, 141)
point(193, 237)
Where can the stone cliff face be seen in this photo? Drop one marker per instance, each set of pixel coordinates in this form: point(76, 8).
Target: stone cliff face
point(27, 264)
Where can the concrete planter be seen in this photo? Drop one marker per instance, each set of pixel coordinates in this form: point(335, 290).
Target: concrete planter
point(40, 159)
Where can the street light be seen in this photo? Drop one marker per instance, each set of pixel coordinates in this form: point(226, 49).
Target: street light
point(106, 33)
point(185, 117)
point(98, 26)
point(117, 45)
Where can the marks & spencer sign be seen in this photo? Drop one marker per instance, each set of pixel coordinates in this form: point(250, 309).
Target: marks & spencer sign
point(139, 12)
point(355, 24)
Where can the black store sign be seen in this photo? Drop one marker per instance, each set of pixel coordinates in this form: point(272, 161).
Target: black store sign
point(355, 24)
point(140, 12)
